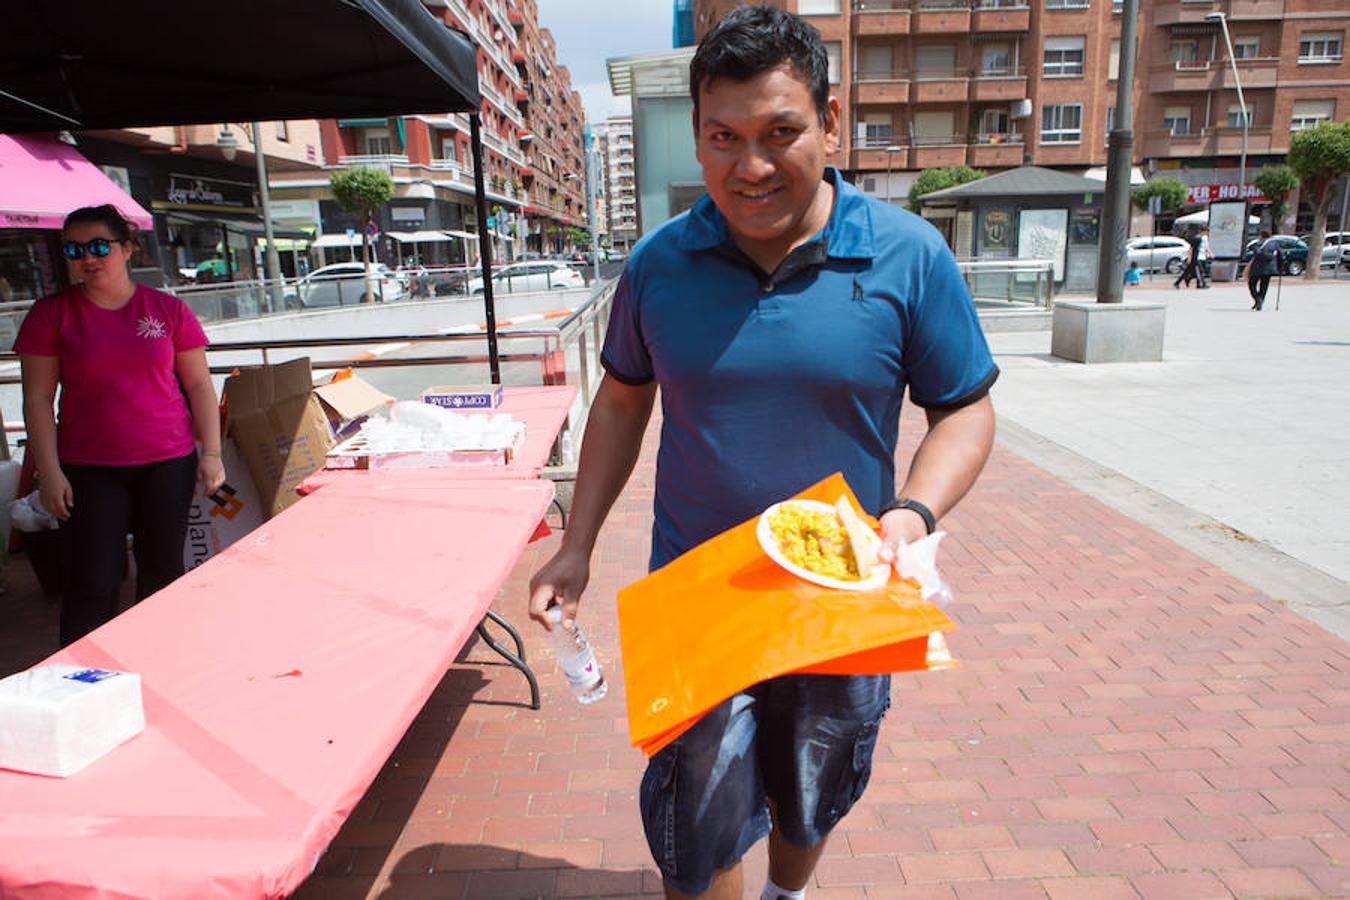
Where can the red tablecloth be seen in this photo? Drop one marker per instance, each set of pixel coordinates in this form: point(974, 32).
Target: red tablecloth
point(278, 677)
point(542, 409)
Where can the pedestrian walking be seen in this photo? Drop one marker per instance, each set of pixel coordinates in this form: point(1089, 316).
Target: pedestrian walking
point(131, 365)
point(781, 318)
point(1192, 270)
point(1266, 261)
point(1204, 258)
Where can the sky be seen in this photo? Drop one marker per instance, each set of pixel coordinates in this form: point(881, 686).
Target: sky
point(588, 32)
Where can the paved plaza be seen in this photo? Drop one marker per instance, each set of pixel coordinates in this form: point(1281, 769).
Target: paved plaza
point(1146, 708)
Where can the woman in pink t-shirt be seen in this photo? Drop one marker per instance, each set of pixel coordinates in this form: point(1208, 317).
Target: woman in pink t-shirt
point(135, 392)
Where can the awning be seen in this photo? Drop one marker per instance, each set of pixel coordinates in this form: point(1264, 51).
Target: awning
point(245, 223)
point(422, 237)
point(465, 235)
point(43, 179)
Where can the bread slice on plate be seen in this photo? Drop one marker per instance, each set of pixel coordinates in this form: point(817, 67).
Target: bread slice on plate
point(861, 538)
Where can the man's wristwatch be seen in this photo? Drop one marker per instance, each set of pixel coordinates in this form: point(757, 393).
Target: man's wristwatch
point(929, 520)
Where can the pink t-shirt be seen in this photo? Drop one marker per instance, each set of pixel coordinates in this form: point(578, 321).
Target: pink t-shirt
point(121, 404)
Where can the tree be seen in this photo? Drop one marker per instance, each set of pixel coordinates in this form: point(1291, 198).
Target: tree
point(938, 179)
point(1276, 182)
point(1319, 156)
point(362, 192)
point(1171, 193)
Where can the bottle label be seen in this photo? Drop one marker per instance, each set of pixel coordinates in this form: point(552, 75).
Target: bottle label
point(581, 669)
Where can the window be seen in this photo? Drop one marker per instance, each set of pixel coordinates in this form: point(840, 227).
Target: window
point(1063, 57)
point(377, 141)
point(1066, 4)
point(935, 61)
point(1062, 123)
point(832, 54)
point(1177, 119)
point(817, 7)
point(996, 59)
point(1113, 61)
point(1235, 115)
point(878, 62)
point(875, 129)
point(1308, 113)
point(449, 150)
point(1246, 47)
point(995, 121)
point(1110, 124)
point(1320, 47)
point(283, 132)
point(1184, 53)
point(934, 127)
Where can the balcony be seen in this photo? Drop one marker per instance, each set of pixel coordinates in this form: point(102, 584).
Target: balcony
point(938, 88)
point(1255, 10)
point(991, 15)
point(1003, 149)
point(941, 17)
point(937, 152)
point(1256, 72)
point(1176, 12)
point(990, 86)
point(383, 161)
point(1213, 141)
point(871, 87)
point(887, 17)
point(1175, 77)
point(879, 158)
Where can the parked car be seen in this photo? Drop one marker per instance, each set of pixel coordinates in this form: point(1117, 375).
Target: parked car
point(344, 284)
point(1161, 252)
point(1293, 254)
point(1335, 248)
point(536, 275)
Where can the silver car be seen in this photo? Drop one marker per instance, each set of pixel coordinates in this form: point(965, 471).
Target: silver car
point(535, 275)
point(1158, 253)
point(344, 284)
point(1335, 248)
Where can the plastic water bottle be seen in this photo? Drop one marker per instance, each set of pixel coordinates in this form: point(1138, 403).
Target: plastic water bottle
point(577, 659)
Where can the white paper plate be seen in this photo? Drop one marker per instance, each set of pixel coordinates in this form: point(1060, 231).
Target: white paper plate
point(880, 573)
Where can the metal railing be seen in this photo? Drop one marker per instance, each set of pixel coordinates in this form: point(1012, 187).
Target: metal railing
point(1012, 283)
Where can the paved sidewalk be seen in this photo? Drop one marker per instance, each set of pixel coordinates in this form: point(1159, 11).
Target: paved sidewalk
point(1130, 722)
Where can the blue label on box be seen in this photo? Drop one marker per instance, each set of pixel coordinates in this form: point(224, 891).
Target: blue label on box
point(91, 676)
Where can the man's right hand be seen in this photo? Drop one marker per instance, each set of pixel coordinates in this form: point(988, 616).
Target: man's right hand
point(55, 494)
point(561, 580)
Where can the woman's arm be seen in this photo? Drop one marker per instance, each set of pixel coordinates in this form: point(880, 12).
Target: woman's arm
point(41, 374)
point(195, 376)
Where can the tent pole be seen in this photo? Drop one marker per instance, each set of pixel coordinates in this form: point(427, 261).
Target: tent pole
point(484, 245)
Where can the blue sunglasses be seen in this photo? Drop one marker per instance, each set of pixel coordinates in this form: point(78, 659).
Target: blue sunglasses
point(96, 247)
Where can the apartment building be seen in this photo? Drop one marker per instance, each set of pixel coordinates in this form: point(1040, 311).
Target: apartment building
point(618, 181)
point(996, 84)
point(530, 123)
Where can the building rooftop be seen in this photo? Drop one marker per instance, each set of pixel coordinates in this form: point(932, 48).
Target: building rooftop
point(1026, 180)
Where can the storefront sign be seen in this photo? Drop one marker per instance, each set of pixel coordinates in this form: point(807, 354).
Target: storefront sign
point(190, 190)
point(408, 214)
point(1208, 193)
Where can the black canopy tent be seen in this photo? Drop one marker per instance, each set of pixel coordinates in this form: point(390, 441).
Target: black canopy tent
point(91, 64)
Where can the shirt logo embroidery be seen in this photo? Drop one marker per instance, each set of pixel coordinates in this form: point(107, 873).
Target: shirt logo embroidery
point(150, 328)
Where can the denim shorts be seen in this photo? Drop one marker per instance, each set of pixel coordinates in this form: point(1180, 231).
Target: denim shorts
point(803, 742)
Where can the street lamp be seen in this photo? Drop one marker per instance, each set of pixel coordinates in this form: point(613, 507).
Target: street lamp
point(890, 150)
point(1222, 19)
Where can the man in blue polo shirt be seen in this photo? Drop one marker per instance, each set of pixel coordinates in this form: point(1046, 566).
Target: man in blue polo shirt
point(782, 318)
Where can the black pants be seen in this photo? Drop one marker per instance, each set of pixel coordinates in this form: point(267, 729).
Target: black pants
point(151, 502)
point(1257, 285)
point(1193, 271)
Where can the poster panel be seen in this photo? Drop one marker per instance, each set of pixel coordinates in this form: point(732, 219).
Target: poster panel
point(1227, 223)
point(1044, 234)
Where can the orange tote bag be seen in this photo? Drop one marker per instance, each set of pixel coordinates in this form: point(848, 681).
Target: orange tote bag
point(724, 616)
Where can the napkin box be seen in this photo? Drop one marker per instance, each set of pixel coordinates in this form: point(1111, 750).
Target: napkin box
point(57, 719)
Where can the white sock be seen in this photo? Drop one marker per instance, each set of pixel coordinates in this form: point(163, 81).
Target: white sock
point(774, 892)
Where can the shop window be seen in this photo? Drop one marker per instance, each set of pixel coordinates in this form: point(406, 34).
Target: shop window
point(1062, 123)
point(1063, 57)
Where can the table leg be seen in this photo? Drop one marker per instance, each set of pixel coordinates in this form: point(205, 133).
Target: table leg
point(516, 659)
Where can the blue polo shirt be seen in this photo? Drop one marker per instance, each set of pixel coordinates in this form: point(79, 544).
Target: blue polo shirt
point(771, 382)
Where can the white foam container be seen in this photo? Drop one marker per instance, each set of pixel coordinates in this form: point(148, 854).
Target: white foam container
point(59, 718)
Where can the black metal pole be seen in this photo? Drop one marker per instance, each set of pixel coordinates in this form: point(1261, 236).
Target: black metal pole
point(1119, 160)
point(484, 246)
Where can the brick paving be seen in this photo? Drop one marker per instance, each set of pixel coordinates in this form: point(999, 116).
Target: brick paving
point(1129, 722)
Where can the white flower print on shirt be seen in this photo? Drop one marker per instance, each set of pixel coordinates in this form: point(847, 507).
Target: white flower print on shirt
point(150, 328)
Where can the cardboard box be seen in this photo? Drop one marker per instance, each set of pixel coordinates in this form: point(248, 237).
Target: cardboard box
point(217, 521)
point(280, 428)
point(348, 402)
point(487, 396)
